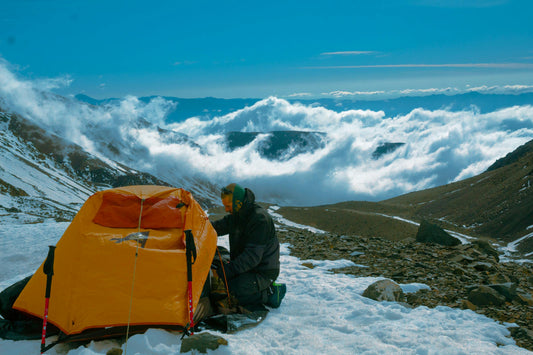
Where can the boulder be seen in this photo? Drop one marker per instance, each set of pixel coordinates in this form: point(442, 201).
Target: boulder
point(202, 342)
point(385, 290)
point(507, 290)
point(481, 266)
point(431, 233)
point(485, 296)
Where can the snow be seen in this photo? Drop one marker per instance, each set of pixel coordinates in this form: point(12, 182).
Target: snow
point(414, 287)
point(323, 312)
point(331, 264)
point(283, 221)
point(462, 237)
point(24, 168)
point(24, 247)
point(512, 248)
point(399, 219)
point(16, 171)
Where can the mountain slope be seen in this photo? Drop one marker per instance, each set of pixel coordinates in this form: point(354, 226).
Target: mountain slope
point(496, 204)
point(45, 176)
point(278, 145)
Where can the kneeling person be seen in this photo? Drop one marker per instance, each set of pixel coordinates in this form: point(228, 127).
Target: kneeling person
point(254, 247)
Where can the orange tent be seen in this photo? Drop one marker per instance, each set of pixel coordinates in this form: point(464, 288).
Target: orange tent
point(100, 283)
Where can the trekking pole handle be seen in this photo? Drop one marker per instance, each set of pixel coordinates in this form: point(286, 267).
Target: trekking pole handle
point(48, 269)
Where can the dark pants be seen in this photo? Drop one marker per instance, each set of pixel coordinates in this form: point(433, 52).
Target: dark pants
point(249, 288)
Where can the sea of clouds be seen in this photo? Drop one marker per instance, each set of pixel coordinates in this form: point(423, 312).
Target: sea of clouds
point(441, 146)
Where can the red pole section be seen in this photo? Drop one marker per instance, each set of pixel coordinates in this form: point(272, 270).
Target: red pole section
point(45, 321)
point(189, 292)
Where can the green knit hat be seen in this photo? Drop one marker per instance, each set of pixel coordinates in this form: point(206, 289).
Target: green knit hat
point(238, 195)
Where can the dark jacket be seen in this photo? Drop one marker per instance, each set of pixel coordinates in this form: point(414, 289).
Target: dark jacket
point(254, 246)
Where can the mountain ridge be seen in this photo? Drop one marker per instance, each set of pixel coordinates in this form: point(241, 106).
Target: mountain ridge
point(196, 107)
point(45, 176)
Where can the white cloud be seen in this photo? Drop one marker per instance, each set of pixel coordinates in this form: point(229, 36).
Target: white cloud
point(447, 90)
point(505, 89)
point(422, 65)
point(349, 53)
point(301, 94)
point(341, 93)
point(440, 146)
point(495, 89)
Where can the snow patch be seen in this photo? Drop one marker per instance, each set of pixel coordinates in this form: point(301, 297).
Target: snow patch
point(512, 248)
point(414, 287)
point(283, 221)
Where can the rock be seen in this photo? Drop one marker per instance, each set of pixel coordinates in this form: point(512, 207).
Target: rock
point(508, 290)
point(485, 296)
point(202, 342)
point(525, 298)
point(308, 265)
point(486, 248)
point(481, 266)
point(459, 271)
point(385, 290)
point(114, 351)
point(466, 304)
point(499, 278)
point(461, 258)
point(431, 233)
point(522, 335)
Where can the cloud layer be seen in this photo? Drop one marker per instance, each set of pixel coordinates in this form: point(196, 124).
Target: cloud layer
point(440, 146)
point(485, 89)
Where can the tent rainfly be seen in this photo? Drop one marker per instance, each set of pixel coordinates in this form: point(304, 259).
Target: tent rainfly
point(122, 263)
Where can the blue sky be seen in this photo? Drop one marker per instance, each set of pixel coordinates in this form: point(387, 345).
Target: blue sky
point(257, 49)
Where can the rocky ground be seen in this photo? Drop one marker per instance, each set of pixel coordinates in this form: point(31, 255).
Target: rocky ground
point(465, 276)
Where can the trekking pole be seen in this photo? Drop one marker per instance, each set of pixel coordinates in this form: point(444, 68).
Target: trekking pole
point(225, 278)
point(48, 269)
point(190, 254)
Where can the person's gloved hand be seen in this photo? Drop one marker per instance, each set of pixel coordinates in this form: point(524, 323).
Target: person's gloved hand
point(225, 269)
